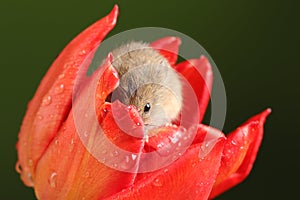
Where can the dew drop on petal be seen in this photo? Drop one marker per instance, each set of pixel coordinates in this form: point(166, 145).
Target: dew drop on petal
point(133, 156)
point(86, 134)
point(86, 174)
point(52, 179)
point(46, 100)
point(69, 65)
point(82, 52)
point(61, 76)
point(30, 162)
point(104, 151)
point(157, 182)
point(103, 160)
point(127, 163)
point(72, 145)
point(194, 164)
point(115, 153)
point(59, 89)
point(233, 142)
point(29, 179)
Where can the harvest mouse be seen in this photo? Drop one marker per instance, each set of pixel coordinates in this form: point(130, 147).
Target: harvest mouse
point(148, 82)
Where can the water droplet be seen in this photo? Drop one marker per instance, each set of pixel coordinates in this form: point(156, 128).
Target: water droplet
point(104, 151)
point(166, 170)
point(18, 167)
point(233, 142)
point(56, 142)
point(199, 184)
point(103, 160)
point(127, 163)
point(52, 179)
point(72, 145)
point(30, 162)
point(157, 182)
point(82, 52)
point(40, 117)
point(194, 164)
point(245, 132)
point(61, 76)
point(115, 153)
point(86, 134)
point(69, 65)
point(29, 179)
point(174, 140)
point(59, 89)
point(133, 156)
point(46, 100)
point(86, 174)
point(228, 151)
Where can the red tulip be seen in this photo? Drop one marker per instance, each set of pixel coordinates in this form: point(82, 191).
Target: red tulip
point(58, 155)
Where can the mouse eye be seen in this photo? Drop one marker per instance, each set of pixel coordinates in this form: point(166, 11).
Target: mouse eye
point(147, 107)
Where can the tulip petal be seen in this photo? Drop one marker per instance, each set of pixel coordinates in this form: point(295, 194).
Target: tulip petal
point(168, 47)
point(79, 165)
point(52, 101)
point(240, 153)
point(198, 72)
point(189, 177)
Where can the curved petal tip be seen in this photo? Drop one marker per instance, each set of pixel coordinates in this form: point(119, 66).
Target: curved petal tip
point(112, 17)
point(239, 153)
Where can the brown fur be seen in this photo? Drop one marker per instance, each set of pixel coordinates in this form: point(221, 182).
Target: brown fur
point(147, 77)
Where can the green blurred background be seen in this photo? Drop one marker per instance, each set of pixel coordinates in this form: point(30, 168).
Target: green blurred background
point(254, 43)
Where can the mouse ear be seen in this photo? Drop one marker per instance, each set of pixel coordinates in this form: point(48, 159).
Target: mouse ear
point(168, 47)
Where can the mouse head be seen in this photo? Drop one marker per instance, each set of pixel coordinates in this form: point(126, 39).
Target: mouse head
point(156, 103)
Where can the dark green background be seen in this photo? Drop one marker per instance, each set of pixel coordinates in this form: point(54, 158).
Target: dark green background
point(254, 43)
